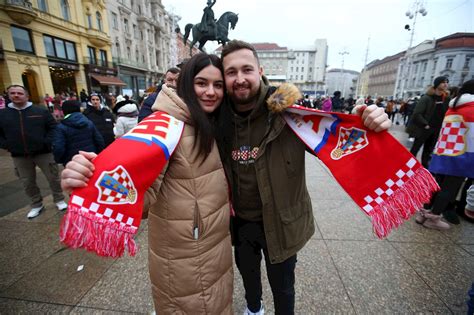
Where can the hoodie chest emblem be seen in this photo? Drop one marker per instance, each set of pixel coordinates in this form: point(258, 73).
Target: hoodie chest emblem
point(245, 154)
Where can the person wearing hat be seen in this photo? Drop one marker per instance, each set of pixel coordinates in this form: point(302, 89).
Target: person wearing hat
point(127, 117)
point(75, 133)
point(427, 118)
point(101, 117)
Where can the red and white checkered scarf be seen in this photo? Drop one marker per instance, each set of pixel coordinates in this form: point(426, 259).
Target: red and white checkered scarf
point(377, 172)
point(104, 216)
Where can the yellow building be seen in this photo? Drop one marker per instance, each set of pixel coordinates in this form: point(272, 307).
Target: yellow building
point(54, 46)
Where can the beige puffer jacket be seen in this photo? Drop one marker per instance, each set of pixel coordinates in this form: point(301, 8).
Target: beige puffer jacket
point(190, 253)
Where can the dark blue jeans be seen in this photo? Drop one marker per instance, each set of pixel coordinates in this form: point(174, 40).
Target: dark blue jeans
point(249, 243)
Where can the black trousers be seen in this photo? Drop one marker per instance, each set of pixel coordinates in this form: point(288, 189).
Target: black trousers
point(428, 142)
point(249, 243)
point(450, 186)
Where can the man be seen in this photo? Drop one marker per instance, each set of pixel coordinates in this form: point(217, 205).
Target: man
point(427, 119)
point(208, 23)
point(171, 80)
point(272, 204)
point(274, 216)
point(101, 117)
point(26, 131)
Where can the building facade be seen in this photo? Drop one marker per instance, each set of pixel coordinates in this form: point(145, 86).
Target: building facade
point(141, 33)
point(382, 76)
point(56, 46)
point(451, 56)
point(307, 67)
point(342, 80)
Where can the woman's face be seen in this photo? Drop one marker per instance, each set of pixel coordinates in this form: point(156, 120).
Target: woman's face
point(95, 101)
point(209, 88)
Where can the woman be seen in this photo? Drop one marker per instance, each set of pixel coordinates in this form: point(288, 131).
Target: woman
point(127, 117)
point(190, 258)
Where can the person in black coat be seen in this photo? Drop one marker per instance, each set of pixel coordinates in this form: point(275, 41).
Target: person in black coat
point(101, 117)
point(75, 133)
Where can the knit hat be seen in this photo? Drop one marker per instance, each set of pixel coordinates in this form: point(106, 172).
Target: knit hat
point(71, 106)
point(440, 80)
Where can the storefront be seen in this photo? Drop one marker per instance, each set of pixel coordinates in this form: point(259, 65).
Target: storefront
point(136, 82)
point(63, 76)
point(103, 80)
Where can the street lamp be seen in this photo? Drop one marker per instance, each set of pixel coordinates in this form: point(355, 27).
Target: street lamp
point(342, 53)
point(412, 15)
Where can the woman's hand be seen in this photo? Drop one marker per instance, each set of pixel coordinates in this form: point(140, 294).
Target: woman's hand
point(77, 172)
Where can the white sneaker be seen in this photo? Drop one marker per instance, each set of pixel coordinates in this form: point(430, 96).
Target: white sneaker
point(61, 205)
point(260, 312)
point(34, 212)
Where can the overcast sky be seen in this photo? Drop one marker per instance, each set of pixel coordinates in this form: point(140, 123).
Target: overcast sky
point(346, 24)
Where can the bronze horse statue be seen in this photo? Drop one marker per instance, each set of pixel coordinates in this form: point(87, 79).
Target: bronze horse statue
point(222, 29)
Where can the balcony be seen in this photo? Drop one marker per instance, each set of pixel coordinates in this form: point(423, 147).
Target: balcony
point(21, 11)
point(98, 38)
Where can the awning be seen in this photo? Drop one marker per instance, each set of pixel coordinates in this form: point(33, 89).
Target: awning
point(105, 80)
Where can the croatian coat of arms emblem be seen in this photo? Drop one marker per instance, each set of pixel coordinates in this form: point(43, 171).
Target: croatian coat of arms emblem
point(116, 187)
point(350, 140)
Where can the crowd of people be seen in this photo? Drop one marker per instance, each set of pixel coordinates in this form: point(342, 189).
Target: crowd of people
point(222, 102)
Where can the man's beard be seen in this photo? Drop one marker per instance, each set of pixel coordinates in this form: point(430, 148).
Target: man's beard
point(251, 97)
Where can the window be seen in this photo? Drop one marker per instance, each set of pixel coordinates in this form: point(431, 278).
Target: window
point(58, 48)
point(129, 53)
point(466, 62)
point(49, 46)
point(125, 25)
point(135, 31)
point(136, 55)
point(98, 18)
point(141, 35)
point(117, 49)
point(103, 58)
point(302, 69)
point(449, 63)
point(310, 69)
point(89, 21)
point(297, 69)
point(435, 63)
point(425, 65)
point(42, 5)
point(22, 39)
point(301, 77)
point(65, 10)
point(291, 69)
point(92, 57)
point(70, 51)
point(114, 21)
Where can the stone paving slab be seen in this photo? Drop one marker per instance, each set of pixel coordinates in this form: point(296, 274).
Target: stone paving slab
point(446, 268)
point(379, 281)
point(11, 306)
point(23, 247)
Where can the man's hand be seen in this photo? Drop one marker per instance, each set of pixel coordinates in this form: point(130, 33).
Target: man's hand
point(78, 171)
point(374, 117)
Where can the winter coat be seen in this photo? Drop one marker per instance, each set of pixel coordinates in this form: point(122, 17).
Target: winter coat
point(423, 113)
point(26, 132)
point(127, 119)
point(145, 110)
point(280, 170)
point(190, 253)
point(327, 105)
point(75, 133)
point(103, 121)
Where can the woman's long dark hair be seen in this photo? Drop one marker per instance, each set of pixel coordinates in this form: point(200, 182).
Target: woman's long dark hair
point(466, 88)
point(204, 130)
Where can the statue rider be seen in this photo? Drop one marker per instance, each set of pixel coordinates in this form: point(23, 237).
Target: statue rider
point(208, 23)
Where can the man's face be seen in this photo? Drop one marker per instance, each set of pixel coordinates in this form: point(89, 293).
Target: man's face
point(18, 96)
point(171, 80)
point(242, 76)
point(443, 86)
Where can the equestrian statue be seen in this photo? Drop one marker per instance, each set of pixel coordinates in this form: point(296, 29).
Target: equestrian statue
point(209, 28)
